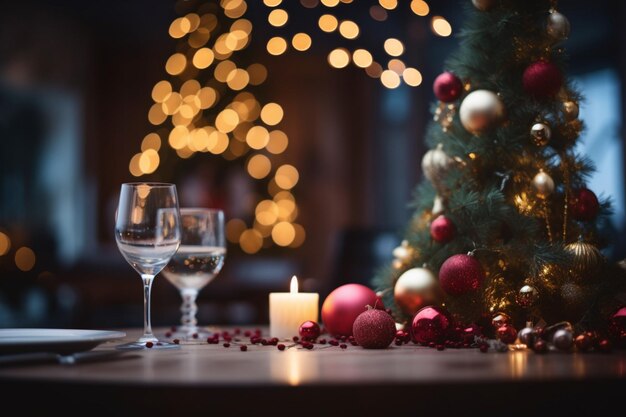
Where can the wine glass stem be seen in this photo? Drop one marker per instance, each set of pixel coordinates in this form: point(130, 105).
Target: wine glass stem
point(189, 308)
point(147, 324)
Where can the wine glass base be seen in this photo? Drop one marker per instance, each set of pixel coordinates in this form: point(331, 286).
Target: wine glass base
point(190, 334)
point(143, 345)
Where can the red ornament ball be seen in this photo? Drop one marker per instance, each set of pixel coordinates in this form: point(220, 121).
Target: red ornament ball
point(461, 274)
point(343, 306)
point(540, 346)
point(506, 334)
point(374, 329)
point(583, 342)
point(584, 205)
point(542, 79)
point(431, 325)
point(309, 330)
point(617, 327)
point(442, 229)
point(447, 87)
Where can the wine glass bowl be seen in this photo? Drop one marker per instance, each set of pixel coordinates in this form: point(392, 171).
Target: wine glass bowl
point(148, 234)
point(197, 262)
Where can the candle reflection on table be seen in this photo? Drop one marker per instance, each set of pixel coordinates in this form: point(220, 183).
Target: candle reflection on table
point(293, 366)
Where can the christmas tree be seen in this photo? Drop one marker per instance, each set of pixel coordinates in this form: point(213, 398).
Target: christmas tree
point(504, 225)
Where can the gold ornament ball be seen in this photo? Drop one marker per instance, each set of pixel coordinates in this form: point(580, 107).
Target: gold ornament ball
point(436, 164)
point(543, 184)
point(558, 26)
point(527, 296)
point(541, 134)
point(416, 288)
point(586, 258)
point(570, 110)
point(481, 110)
point(483, 5)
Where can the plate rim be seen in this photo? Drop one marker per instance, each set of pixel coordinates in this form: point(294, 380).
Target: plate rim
point(95, 336)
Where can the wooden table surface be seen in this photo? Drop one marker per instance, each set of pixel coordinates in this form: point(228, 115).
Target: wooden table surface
point(355, 380)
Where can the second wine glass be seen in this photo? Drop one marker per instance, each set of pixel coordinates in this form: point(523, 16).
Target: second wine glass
point(197, 262)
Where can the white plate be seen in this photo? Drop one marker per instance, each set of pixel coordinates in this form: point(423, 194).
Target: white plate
point(63, 341)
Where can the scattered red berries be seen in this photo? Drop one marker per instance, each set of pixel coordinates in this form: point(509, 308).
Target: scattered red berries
point(243, 348)
point(176, 341)
point(343, 346)
point(281, 347)
point(226, 345)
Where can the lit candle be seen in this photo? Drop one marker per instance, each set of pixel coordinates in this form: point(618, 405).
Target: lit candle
point(288, 310)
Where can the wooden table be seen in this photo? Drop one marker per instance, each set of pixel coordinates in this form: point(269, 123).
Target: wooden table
point(406, 380)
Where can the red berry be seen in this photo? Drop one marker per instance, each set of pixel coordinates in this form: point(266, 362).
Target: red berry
point(226, 345)
point(247, 333)
point(398, 342)
point(484, 348)
point(168, 334)
point(195, 335)
point(440, 347)
point(309, 346)
point(322, 341)
point(149, 344)
point(295, 338)
point(243, 348)
point(281, 347)
point(343, 346)
point(173, 328)
point(237, 330)
point(176, 341)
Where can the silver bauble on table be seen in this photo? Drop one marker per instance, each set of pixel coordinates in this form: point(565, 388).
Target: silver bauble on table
point(481, 110)
point(527, 336)
point(558, 26)
point(416, 288)
point(563, 339)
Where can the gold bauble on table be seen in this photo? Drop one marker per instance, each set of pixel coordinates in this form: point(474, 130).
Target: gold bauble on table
point(586, 258)
point(481, 110)
point(416, 288)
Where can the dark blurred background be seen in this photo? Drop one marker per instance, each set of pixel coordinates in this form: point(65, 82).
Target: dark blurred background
point(76, 79)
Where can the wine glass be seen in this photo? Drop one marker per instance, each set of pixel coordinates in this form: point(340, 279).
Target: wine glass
point(147, 232)
point(198, 260)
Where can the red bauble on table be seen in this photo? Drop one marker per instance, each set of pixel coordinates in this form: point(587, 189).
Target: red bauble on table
point(617, 327)
point(584, 205)
point(431, 325)
point(309, 330)
point(343, 306)
point(461, 274)
point(542, 79)
point(506, 334)
point(442, 229)
point(447, 87)
point(374, 329)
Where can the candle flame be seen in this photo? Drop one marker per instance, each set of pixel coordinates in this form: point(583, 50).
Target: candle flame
point(294, 285)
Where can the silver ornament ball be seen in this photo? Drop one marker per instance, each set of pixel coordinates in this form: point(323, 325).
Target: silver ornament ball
point(558, 26)
point(570, 110)
point(541, 134)
point(481, 110)
point(543, 184)
point(483, 5)
point(527, 336)
point(436, 164)
point(563, 339)
point(527, 296)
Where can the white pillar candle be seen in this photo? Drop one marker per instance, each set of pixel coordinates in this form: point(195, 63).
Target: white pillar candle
point(288, 310)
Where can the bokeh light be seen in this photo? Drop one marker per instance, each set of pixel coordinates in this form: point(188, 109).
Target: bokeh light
point(278, 142)
point(259, 166)
point(388, 4)
point(257, 137)
point(420, 7)
point(203, 58)
point(283, 233)
point(348, 29)
point(251, 241)
point(276, 46)
point(390, 79)
point(176, 64)
point(278, 17)
point(301, 41)
point(25, 259)
point(362, 58)
point(272, 114)
point(339, 58)
point(394, 47)
point(440, 26)
point(412, 77)
point(234, 229)
point(286, 177)
point(5, 244)
point(328, 23)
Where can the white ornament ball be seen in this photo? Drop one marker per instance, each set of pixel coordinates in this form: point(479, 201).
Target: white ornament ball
point(436, 164)
point(558, 26)
point(481, 110)
point(543, 184)
point(416, 288)
point(483, 5)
